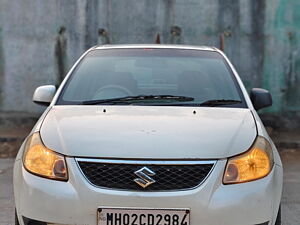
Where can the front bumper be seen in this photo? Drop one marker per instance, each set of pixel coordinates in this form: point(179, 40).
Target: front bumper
point(212, 203)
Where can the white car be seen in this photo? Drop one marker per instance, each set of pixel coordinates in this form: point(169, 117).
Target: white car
point(149, 135)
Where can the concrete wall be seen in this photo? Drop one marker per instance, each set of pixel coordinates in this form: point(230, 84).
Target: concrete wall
point(40, 40)
point(28, 46)
point(281, 72)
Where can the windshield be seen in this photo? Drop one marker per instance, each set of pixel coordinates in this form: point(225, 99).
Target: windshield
point(152, 76)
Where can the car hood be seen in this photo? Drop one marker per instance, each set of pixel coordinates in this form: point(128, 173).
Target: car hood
point(152, 132)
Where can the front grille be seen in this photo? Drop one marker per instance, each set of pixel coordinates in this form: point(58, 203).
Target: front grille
point(167, 177)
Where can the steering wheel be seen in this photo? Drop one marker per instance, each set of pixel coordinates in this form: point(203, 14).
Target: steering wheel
point(111, 91)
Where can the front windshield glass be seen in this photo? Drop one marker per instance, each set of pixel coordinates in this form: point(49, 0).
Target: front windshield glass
point(187, 77)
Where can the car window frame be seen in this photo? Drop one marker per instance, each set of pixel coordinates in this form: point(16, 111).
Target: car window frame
point(243, 104)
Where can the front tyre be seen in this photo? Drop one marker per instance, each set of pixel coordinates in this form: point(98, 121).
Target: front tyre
point(16, 218)
point(278, 219)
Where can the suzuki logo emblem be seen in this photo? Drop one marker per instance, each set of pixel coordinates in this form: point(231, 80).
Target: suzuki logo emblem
point(144, 175)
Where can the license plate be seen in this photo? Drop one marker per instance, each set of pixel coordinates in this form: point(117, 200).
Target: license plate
point(145, 216)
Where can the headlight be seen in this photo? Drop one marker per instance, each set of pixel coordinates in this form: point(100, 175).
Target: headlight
point(252, 165)
point(42, 161)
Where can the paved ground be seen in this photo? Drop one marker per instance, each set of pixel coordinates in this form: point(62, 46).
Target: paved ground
point(6, 192)
point(291, 187)
point(290, 199)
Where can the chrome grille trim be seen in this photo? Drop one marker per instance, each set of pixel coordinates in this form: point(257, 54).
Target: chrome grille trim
point(147, 162)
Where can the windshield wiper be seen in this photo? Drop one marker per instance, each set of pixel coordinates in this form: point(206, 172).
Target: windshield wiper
point(217, 102)
point(128, 99)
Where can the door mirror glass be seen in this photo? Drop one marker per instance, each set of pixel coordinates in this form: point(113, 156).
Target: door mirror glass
point(260, 98)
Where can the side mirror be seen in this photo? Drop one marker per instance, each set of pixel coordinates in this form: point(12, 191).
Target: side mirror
point(260, 98)
point(43, 95)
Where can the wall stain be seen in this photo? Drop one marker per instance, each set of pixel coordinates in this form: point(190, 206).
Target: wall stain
point(229, 25)
point(91, 23)
point(292, 75)
point(61, 45)
point(157, 39)
point(168, 20)
point(176, 35)
point(103, 37)
point(258, 11)
point(1, 68)
point(284, 65)
point(108, 14)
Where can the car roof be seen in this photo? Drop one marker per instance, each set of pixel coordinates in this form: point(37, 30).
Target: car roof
point(190, 47)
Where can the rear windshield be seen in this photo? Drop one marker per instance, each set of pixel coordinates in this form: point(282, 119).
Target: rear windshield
point(117, 73)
